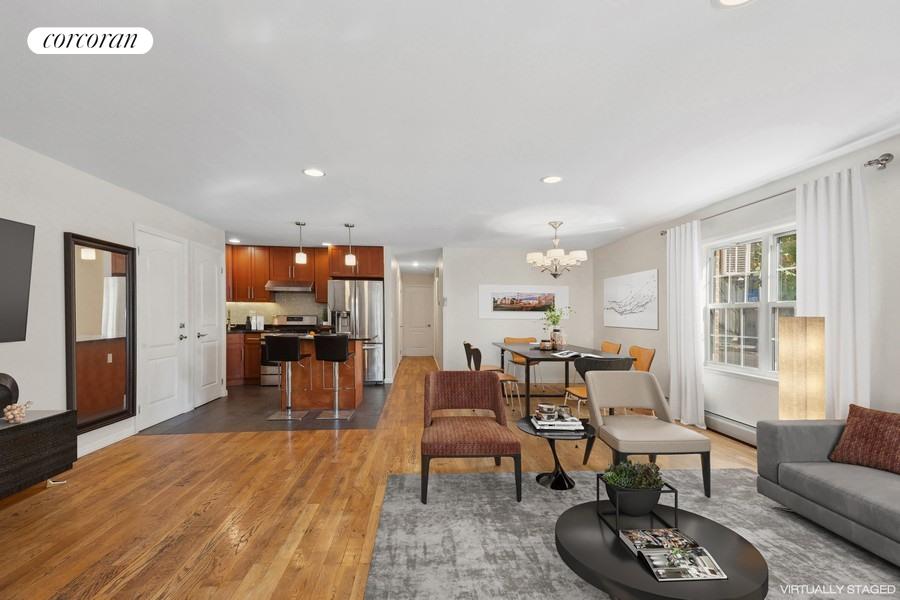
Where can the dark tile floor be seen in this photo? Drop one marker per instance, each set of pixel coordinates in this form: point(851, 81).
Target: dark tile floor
point(246, 407)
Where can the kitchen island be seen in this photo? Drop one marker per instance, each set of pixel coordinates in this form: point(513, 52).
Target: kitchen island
point(311, 379)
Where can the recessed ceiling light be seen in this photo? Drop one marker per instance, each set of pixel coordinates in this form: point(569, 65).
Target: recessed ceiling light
point(730, 3)
point(416, 263)
point(234, 240)
point(326, 243)
point(551, 179)
point(314, 172)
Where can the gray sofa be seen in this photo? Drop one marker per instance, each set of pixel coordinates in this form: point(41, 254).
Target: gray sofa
point(857, 503)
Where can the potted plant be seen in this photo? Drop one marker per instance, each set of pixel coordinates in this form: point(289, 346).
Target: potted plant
point(635, 487)
point(552, 318)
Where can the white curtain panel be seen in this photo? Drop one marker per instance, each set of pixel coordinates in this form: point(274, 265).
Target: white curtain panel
point(833, 282)
point(686, 292)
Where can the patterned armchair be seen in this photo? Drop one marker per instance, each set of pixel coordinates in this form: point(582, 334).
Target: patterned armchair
point(466, 436)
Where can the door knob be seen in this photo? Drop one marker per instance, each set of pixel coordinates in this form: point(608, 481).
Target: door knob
point(182, 337)
point(200, 335)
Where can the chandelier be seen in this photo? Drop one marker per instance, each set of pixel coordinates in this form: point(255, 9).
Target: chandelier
point(556, 261)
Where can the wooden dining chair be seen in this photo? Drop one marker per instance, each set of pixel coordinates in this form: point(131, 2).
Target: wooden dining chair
point(468, 348)
point(611, 347)
point(508, 382)
point(643, 357)
point(515, 359)
point(586, 364)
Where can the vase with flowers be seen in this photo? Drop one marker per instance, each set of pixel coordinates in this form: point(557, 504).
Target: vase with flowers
point(552, 318)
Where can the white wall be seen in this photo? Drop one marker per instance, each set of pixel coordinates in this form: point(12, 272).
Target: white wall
point(464, 269)
point(757, 399)
point(439, 313)
point(56, 198)
point(392, 298)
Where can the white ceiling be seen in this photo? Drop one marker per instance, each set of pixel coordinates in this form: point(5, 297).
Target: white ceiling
point(435, 120)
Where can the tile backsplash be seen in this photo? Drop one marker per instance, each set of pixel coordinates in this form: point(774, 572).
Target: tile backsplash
point(285, 303)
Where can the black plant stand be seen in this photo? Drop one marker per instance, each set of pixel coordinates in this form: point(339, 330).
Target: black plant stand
point(557, 479)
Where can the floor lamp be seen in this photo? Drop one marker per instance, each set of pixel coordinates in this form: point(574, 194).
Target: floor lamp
point(801, 368)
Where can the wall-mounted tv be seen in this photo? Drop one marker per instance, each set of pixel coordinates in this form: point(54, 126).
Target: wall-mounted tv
point(16, 250)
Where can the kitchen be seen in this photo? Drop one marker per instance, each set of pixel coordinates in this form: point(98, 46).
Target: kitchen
point(285, 290)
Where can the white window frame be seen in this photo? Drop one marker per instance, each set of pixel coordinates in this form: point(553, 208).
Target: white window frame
point(767, 300)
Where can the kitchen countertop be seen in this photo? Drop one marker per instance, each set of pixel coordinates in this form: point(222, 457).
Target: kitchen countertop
point(302, 336)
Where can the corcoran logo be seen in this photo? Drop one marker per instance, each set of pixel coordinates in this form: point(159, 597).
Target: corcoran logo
point(90, 40)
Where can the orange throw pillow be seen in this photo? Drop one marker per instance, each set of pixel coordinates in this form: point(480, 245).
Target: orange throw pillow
point(870, 439)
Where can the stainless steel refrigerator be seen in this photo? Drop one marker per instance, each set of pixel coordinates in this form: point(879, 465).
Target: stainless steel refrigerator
point(357, 308)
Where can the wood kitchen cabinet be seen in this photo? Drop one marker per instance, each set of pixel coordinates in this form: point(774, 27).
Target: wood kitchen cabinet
point(249, 273)
point(369, 262)
point(322, 270)
point(283, 268)
point(252, 356)
point(234, 359)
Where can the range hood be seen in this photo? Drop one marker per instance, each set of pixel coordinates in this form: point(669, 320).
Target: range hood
point(289, 286)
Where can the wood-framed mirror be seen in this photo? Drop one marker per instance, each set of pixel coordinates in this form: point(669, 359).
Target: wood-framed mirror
point(100, 331)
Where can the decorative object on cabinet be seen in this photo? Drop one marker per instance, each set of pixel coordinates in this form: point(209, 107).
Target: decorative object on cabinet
point(15, 413)
point(9, 390)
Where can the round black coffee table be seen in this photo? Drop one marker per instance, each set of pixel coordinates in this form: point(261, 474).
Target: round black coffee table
point(593, 551)
point(558, 479)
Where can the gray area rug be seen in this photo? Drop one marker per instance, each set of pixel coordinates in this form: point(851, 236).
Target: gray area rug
point(473, 540)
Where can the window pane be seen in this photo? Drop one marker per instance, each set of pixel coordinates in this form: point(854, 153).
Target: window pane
point(751, 320)
point(733, 321)
point(786, 311)
point(753, 288)
point(787, 267)
point(717, 321)
point(733, 350)
point(720, 290)
point(738, 283)
point(717, 349)
point(756, 257)
point(787, 284)
point(787, 250)
point(750, 347)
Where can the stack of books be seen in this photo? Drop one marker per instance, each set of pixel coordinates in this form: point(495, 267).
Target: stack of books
point(562, 427)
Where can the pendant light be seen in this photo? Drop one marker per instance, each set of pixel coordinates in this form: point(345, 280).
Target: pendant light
point(556, 261)
point(300, 256)
point(350, 258)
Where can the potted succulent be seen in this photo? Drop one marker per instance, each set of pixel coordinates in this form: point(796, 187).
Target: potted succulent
point(640, 486)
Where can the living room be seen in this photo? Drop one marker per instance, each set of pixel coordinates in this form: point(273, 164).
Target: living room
point(470, 301)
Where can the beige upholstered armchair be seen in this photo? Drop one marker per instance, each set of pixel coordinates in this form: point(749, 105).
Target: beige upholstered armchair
point(640, 434)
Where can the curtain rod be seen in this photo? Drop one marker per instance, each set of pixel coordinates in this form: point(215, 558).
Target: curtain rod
point(725, 212)
point(879, 163)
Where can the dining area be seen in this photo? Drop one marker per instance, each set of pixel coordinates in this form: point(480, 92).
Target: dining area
point(522, 380)
point(627, 409)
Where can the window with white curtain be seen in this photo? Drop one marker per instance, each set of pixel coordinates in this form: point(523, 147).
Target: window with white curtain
point(752, 282)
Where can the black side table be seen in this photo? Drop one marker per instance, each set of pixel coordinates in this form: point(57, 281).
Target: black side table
point(558, 479)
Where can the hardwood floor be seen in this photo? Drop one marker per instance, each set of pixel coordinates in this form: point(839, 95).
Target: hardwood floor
point(241, 515)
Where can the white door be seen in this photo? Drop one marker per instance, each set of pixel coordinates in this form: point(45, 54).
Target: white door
point(163, 334)
point(208, 335)
point(418, 337)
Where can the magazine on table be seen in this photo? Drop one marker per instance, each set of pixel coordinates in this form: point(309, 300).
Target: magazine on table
point(657, 546)
point(574, 354)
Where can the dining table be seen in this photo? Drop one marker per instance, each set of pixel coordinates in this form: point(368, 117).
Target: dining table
point(532, 354)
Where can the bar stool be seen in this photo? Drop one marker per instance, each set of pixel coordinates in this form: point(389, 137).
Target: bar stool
point(286, 350)
point(334, 348)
